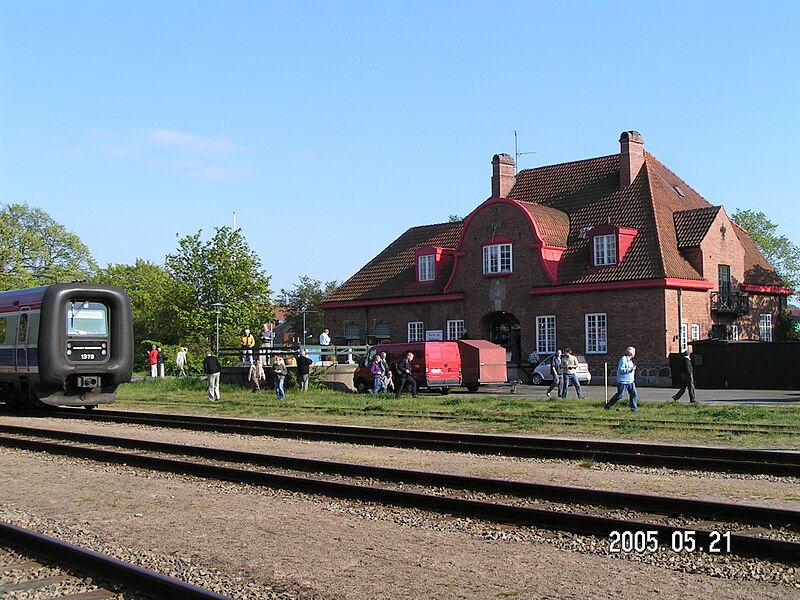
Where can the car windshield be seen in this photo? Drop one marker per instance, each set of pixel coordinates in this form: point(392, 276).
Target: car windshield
point(87, 318)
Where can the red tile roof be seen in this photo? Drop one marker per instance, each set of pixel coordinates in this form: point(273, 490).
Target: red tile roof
point(563, 200)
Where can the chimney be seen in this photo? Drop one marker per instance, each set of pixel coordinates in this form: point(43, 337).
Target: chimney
point(631, 156)
point(503, 176)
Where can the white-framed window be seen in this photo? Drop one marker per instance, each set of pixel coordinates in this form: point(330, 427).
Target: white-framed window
point(765, 327)
point(497, 258)
point(546, 334)
point(416, 331)
point(425, 268)
point(605, 250)
point(596, 333)
point(455, 329)
point(735, 333)
point(695, 331)
point(684, 333)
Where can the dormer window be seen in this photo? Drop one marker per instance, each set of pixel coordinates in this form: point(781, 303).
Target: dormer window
point(497, 259)
point(609, 243)
point(605, 250)
point(426, 267)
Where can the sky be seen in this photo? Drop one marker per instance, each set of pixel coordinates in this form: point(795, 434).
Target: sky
point(326, 129)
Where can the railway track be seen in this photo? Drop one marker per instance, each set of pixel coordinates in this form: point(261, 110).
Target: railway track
point(39, 566)
point(703, 458)
point(661, 522)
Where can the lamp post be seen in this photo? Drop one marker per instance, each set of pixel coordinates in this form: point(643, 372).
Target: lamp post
point(217, 306)
point(304, 324)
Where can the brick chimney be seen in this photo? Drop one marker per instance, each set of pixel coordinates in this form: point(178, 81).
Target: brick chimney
point(631, 156)
point(503, 176)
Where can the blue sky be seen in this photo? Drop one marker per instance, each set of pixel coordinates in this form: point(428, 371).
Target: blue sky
point(329, 128)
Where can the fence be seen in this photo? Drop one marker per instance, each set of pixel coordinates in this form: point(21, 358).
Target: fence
point(720, 364)
point(327, 355)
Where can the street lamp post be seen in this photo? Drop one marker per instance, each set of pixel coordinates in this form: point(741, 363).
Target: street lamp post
point(217, 306)
point(305, 333)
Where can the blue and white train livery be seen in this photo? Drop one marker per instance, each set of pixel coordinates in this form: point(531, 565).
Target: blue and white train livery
point(66, 344)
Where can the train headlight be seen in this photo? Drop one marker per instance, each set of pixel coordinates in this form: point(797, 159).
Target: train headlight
point(103, 352)
point(69, 352)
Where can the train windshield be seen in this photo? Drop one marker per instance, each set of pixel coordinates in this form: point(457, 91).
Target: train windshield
point(87, 318)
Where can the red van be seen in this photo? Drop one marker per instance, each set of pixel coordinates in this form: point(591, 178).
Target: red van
point(436, 365)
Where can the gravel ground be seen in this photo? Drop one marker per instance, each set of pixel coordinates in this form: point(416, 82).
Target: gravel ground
point(258, 543)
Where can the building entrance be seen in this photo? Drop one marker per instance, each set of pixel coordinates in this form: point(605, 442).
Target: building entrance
point(503, 329)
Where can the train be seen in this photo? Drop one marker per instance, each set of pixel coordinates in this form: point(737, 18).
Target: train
point(65, 344)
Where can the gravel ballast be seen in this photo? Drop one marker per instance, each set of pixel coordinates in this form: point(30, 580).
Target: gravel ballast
point(258, 543)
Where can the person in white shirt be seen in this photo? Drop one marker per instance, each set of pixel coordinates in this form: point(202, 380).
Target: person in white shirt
point(325, 338)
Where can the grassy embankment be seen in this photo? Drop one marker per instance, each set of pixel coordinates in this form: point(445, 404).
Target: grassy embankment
point(749, 426)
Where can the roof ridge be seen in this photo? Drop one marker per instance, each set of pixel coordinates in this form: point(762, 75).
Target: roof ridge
point(570, 162)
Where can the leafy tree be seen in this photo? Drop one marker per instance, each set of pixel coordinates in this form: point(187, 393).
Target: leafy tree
point(150, 289)
point(782, 254)
point(223, 270)
point(38, 251)
point(454, 219)
point(302, 300)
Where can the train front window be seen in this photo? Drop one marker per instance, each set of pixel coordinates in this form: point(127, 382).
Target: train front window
point(87, 318)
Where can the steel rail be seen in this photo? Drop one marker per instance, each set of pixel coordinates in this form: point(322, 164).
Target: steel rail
point(652, 455)
point(106, 567)
point(741, 544)
point(643, 502)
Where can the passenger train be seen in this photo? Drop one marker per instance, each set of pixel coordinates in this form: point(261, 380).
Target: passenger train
point(66, 344)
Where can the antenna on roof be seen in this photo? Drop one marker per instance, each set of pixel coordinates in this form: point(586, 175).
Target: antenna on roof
point(517, 153)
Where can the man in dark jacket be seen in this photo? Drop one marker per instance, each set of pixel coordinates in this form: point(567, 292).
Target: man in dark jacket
point(303, 367)
point(687, 377)
point(405, 377)
point(212, 368)
point(557, 373)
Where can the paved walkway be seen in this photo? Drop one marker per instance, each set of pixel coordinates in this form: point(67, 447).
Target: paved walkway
point(657, 394)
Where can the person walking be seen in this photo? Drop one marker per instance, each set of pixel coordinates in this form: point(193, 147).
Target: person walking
point(152, 358)
point(255, 375)
point(556, 371)
point(303, 368)
point(212, 368)
point(386, 374)
point(279, 372)
point(180, 363)
point(569, 364)
point(626, 380)
point(687, 377)
point(405, 378)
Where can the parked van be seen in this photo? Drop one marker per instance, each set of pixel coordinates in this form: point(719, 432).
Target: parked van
point(436, 365)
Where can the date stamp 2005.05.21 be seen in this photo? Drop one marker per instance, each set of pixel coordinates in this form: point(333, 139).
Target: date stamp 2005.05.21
point(682, 540)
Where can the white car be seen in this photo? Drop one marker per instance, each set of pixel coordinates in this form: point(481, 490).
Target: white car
point(541, 373)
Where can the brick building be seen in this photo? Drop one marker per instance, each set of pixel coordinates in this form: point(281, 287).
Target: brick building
point(597, 254)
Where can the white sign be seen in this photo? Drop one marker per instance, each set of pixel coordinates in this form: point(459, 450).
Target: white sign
point(434, 335)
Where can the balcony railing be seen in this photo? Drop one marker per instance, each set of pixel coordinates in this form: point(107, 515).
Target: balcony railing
point(735, 303)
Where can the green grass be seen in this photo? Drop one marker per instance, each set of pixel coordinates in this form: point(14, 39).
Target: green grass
point(475, 412)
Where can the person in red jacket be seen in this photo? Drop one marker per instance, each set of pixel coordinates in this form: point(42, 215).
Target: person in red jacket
point(153, 358)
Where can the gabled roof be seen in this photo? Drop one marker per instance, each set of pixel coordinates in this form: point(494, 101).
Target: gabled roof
point(589, 192)
point(392, 272)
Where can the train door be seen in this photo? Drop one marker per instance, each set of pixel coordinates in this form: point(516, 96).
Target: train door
point(21, 342)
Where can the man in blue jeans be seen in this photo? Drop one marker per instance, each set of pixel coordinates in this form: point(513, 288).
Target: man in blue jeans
point(569, 364)
point(626, 371)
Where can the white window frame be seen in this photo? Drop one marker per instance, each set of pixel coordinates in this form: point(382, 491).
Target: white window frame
point(455, 329)
point(426, 268)
point(497, 258)
point(765, 327)
point(596, 330)
point(684, 340)
point(416, 331)
point(546, 334)
point(735, 333)
point(695, 331)
point(605, 250)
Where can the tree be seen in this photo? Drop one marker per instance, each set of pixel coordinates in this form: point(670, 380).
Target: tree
point(38, 251)
point(301, 305)
point(223, 270)
point(783, 255)
point(150, 289)
point(454, 219)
